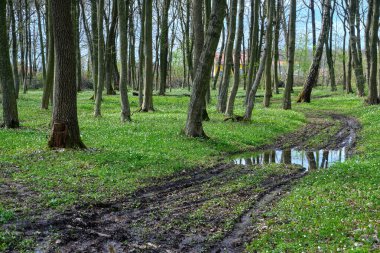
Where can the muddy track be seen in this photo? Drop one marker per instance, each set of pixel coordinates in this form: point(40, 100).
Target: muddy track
point(193, 211)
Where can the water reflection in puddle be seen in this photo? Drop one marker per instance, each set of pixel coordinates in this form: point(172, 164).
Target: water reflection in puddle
point(310, 160)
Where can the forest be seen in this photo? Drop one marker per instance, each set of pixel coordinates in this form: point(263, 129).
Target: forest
point(189, 126)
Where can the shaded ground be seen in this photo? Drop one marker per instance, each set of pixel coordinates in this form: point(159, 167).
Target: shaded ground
point(214, 209)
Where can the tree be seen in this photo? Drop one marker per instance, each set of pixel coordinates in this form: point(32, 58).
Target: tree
point(164, 47)
point(355, 49)
point(125, 109)
point(237, 58)
point(312, 78)
point(10, 113)
point(228, 59)
point(16, 78)
point(373, 95)
point(268, 67)
point(194, 126)
point(65, 132)
point(48, 87)
point(263, 61)
point(287, 105)
point(99, 93)
point(147, 104)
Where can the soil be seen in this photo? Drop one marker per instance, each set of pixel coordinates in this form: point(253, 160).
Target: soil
point(186, 212)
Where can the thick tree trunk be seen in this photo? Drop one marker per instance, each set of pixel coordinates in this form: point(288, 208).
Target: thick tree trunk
point(125, 109)
point(237, 57)
point(10, 114)
point(287, 105)
point(147, 104)
point(48, 88)
point(228, 59)
point(65, 130)
point(373, 95)
point(99, 93)
point(194, 127)
point(111, 50)
point(312, 78)
point(164, 47)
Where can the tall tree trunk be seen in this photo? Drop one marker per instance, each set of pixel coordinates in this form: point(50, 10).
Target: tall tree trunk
point(94, 57)
point(228, 59)
point(268, 67)
point(110, 50)
point(219, 63)
point(147, 104)
point(38, 10)
point(16, 77)
point(21, 44)
point(164, 47)
point(259, 75)
point(65, 132)
point(237, 57)
point(276, 53)
point(373, 95)
point(78, 58)
point(358, 67)
point(48, 88)
point(254, 52)
point(98, 99)
point(194, 127)
point(367, 37)
point(141, 52)
point(10, 114)
point(312, 9)
point(125, 108)
point(287, 105)
point(329, 56)
point(312, 78)
point(349, 71)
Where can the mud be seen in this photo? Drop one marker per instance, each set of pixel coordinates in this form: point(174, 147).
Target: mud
point(199, 210)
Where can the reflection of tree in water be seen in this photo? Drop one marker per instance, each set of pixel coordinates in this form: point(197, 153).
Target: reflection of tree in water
point(286, 156)
point(325, 159)
point(311, 160)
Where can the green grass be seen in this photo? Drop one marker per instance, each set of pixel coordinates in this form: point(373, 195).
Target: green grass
point(123, 155)
point(337, 209)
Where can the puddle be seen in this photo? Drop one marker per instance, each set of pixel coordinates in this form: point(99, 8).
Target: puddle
point(310, 160)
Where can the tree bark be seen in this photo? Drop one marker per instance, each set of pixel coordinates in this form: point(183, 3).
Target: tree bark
point(164, 47)
point(48, 87)
point(237, 57)
point(312, 78)
point(373, 95)
point(16, 77)
point(147, 104)
point(228, 59)
point(65, 130)
point(358, 67)
point(99, 93)
point(10, 113)
point(259, 74)
point(268, 67)
point(287, 105)
point(125, 108)
point(194, 126)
